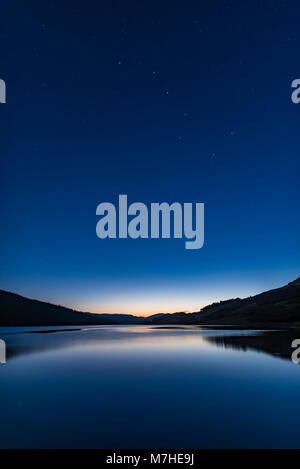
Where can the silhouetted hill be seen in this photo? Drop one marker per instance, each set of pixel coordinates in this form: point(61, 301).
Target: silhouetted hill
point(15, 310)
point(169, 318)
point(281, 305)
point(116, 318)
point(273, 307)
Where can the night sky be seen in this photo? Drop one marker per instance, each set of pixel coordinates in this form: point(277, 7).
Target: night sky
point(186, 101)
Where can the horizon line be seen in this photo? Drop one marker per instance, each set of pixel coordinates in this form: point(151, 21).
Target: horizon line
point(173, 311)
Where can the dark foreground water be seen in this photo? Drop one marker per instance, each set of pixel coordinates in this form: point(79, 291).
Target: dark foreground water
point(138, 387)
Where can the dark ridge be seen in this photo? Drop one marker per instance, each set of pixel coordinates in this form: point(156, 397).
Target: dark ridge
point(280, 306)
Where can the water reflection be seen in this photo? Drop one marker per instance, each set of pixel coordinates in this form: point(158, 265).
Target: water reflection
point(276, 343)
point(37, 340)
point(148, 387)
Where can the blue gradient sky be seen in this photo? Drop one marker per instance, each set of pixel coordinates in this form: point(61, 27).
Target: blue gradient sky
point(163, 102)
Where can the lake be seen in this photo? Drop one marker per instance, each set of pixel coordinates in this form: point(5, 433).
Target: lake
point(148, 387)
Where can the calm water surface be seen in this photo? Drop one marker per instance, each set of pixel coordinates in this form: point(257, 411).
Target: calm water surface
point(148, 387)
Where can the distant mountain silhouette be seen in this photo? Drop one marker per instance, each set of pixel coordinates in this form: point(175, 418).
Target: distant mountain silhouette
point(278, 306)
point(15, 310)
point(281, 305)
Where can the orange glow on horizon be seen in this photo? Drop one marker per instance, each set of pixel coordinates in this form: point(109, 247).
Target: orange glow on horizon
point(142, 312)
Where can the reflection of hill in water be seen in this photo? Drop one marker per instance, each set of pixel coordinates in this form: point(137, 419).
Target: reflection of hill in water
point(276, 343)
point(37, 341)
